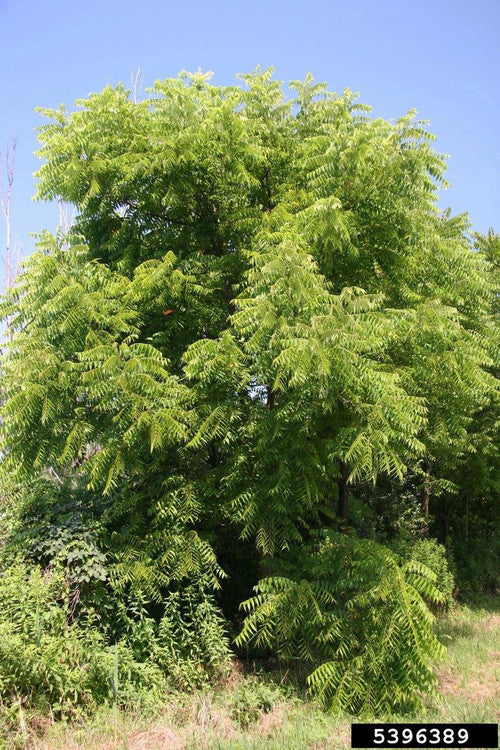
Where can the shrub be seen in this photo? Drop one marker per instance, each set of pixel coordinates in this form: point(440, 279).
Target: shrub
point(48, 662)
point(191, 643)
point(351, 609)
point(250, 700)
point(44, 661)
point(435, 557)
point(477, 564)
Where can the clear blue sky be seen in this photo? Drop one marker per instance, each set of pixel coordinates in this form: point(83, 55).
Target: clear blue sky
point(440, 56)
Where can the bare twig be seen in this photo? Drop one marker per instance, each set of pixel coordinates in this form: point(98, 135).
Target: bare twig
point(136, 80)
point(5, 207)
point(66, 219)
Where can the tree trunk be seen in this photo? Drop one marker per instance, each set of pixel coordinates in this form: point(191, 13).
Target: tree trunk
point(466, 520)
point(343, 506)
point(270, 398)
point(446, 521)
point(426, 496)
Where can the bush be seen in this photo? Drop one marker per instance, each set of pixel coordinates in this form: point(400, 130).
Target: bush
point(477, 565)
point(252, 699)
point(44, 661)
point(48, 662)
point(349, 606)
point(435, 557)
point(191, 644)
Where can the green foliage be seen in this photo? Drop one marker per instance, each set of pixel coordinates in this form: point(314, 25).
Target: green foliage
point(434, 556)
point(47, 661)
point(191, 644)
point(361, 615)
point(250, 700)
point(44, 661)
point(477, 558)
point(258, 313)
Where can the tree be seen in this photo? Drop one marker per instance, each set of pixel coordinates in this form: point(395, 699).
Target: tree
point(257, 306)
point(467, 511)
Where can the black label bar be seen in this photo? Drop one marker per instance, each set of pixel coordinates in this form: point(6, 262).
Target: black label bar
point(424, 735)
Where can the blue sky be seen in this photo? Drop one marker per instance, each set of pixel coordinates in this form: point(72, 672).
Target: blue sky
point(440, 56)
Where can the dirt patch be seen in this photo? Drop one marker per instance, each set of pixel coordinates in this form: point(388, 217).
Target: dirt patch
point(473, 691)
point(235, 676)
point(480, 691)
point(448, 684)
point(339, 740)
point(269, 722)
point(160, 738)
point(491, 623)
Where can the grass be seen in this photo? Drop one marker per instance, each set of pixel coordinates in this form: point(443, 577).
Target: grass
point(470, 675)
point(253, 712)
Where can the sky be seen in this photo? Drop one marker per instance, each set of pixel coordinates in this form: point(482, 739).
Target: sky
point(441, 57)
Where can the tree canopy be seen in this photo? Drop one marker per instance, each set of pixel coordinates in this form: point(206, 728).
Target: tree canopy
point(259, 340)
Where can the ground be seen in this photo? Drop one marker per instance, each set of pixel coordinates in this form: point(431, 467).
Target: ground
point(252, 712)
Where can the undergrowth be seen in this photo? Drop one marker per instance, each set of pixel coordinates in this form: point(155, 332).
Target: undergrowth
point(254, 707)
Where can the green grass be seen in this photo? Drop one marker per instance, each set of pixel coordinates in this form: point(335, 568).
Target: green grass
point(470, 674)
point(257, 711)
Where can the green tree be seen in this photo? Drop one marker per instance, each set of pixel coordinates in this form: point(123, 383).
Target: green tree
point(259, 305)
